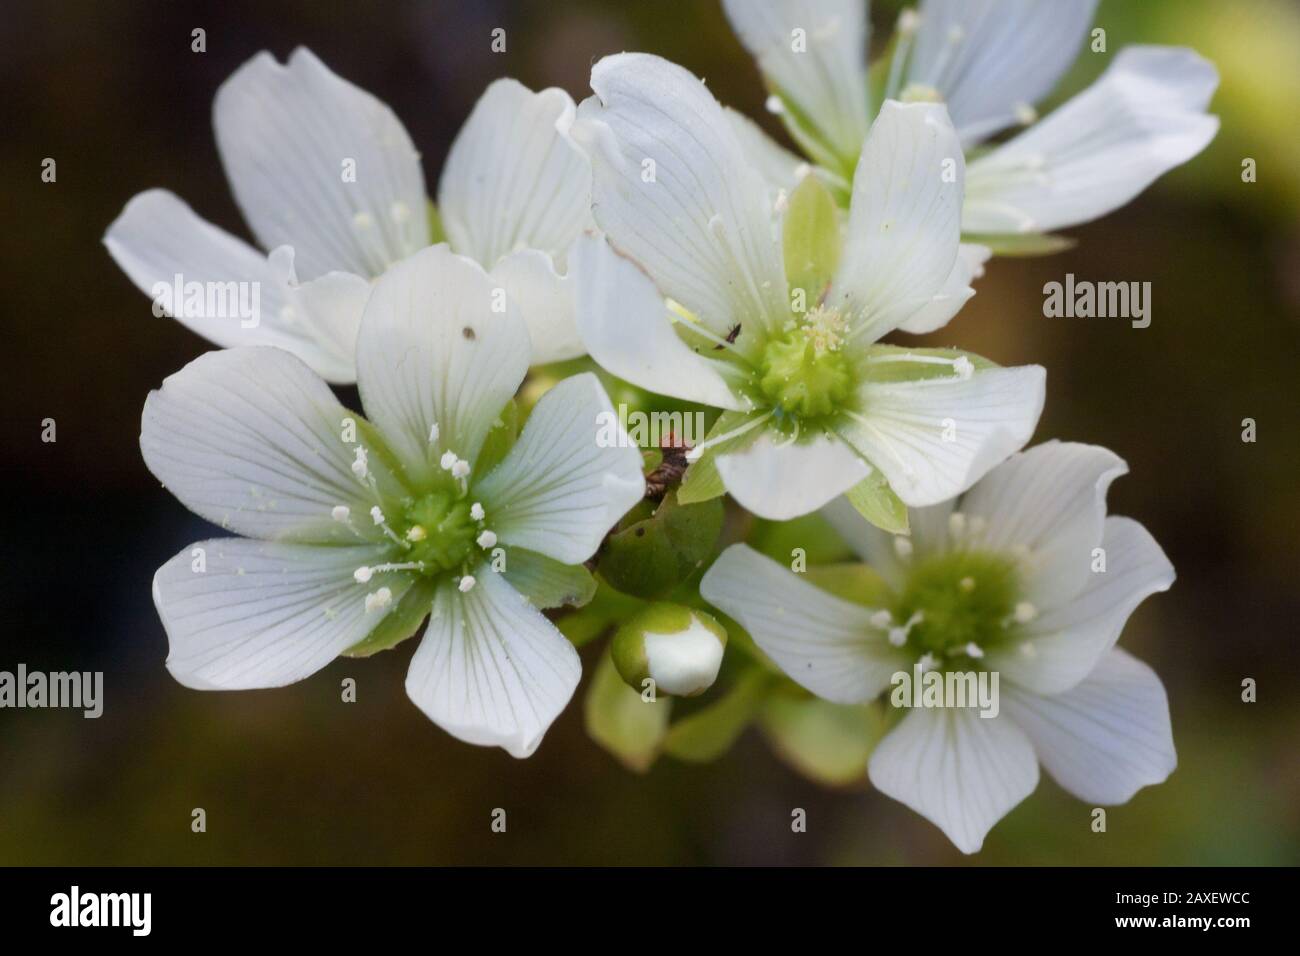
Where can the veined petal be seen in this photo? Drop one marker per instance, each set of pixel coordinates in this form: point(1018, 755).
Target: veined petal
point(491, 670)
point(826, 644)
point(626, 326)
point(989, 59)
point(1107, 737)
point(545, 301)
point(960, 771)
point(1144, 116)
point(674, 191)
point(1064, 644)
point(934, 438)
point(1051, 500)
point(513, 180)
point(252, 440)
point(159, 241)
point(564, 485)
point(778, 479)
point(780, 168)
point(904, 219)
point(814, 53)
point(321, 165)
point(434, 350)
point(263, 614)
point(956, 291)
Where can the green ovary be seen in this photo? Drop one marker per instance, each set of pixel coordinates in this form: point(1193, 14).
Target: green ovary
point(963, 598)
point(446, 532)
point(804, 371)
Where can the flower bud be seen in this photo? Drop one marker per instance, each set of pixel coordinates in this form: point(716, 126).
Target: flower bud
point(679, 648)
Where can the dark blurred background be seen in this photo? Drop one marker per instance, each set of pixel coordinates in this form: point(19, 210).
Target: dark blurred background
point(113, 92)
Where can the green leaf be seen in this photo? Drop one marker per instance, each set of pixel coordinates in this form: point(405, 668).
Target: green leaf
point(399, 623)
point(811, 240)
point(828, 743)
point(548, 583)
point(875, 500)
point(652, 555)
point(702, 481)
point(1022, 244)
point(500, 439)
point(618, 719)
point(708, 733)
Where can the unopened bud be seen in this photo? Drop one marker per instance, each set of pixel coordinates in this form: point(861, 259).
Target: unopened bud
point(679, 648)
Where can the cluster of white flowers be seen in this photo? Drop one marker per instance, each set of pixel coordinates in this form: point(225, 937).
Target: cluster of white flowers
point(667, 238)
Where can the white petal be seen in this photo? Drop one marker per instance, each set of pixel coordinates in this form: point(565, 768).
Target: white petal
point(1050, 499)
point(1008, 54)
point(960, 771)
point(1105, 738)
point(1066, 643)
point(433, 351)
point(291, 137)
point(252, 440)
point(545, 301)
point(627, 328)
point(928, 529)
point(562, 487)
point(904, 219)
point(701, 226)
point(491, 670)
point(1143, 117)
point(777, 479)
point(822, 69)
point(822, 642)
point(934, 438)
point(263, 614)
point(956, 291)
point(513, 180)
point(780, 168)
point(158, 238)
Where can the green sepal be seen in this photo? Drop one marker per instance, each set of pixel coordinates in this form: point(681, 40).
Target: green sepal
point(829, 743)
point(501, 437)
point(621, 721)
point(709, 732)
point(702, 481)
point(606, 607)
point(650, 556)
point(548, 583)
point(399, 623)
point(811, 240)
point(436, 232)
point(1022, 244)
point(875, 500)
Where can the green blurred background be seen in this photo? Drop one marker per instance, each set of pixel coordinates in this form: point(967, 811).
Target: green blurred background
point(114, 94)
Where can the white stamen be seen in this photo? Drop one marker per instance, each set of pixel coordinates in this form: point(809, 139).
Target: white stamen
point(377, 515)
point(360, 466)
point(476, 511)
point(362, 574)
point(487, 539)
point(774, 105)
point(927, 662)
point(1025, 612)
point(433, 433)
point(782, 202)
point(466, 583)
point(378, 599)
point(973, 650)
point(1025, 114)
point(882, 619)
point(341, 513)
point(908, 21)
point(902, 547)
point(416, 532)
point(964, 367)
point(460, 469)
point(898, 635)
point(448, 460)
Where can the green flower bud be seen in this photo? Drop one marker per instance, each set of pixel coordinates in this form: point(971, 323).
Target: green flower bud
point(679, 648)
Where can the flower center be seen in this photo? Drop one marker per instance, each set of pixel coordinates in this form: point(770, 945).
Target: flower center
point(440, 530)
point(803, 370)
point(956, 606)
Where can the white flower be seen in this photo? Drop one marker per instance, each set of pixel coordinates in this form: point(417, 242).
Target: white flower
point(814, 405)
point(677, 647)
point(252, 440)
point(331, 186)
point(1012, 568)
point(990, 61)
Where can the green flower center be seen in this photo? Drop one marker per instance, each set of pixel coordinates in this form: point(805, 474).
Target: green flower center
point(803, 370)
point(960, 604)
point(440, 530)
